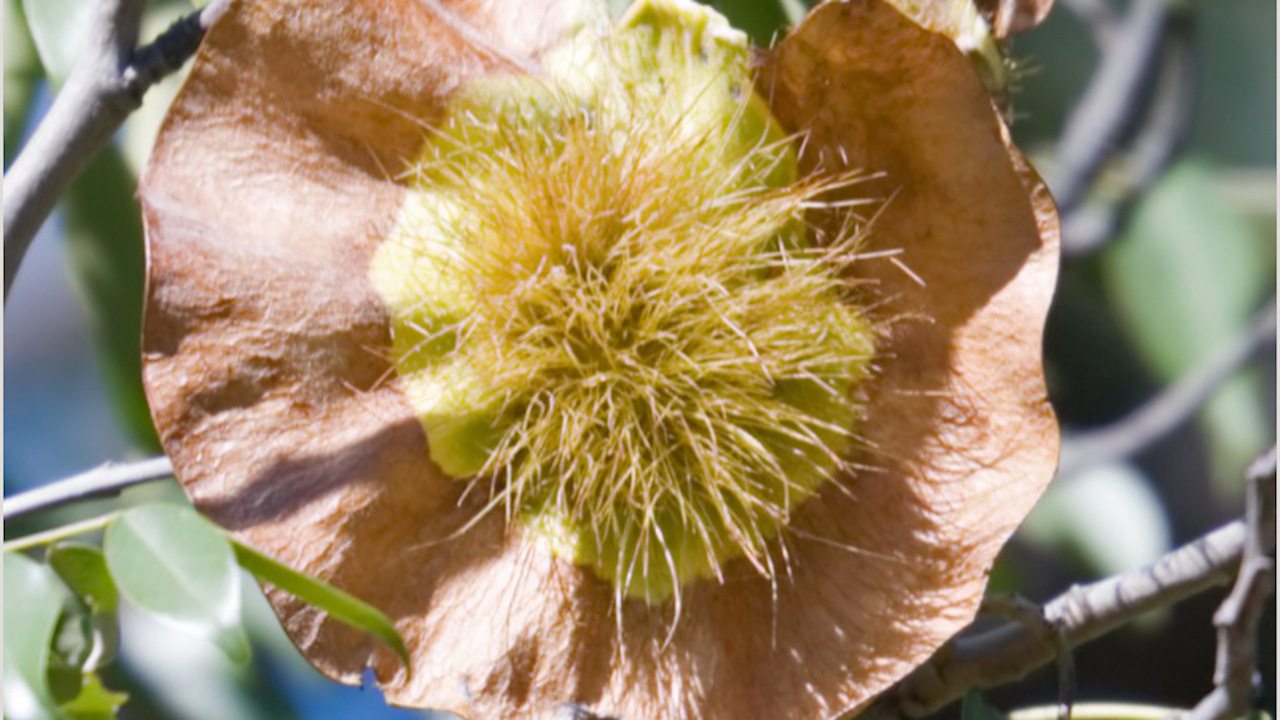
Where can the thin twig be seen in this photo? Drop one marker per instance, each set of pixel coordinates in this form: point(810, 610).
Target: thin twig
point(1237, 618)
point(1111, 102)
point(105, 480)
point(62, 532)
point(106, 85)
point(1085, 612)
point(1090, 224)
point(1173, 406)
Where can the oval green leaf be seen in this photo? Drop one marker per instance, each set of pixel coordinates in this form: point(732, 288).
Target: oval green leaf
point(340, 605)
point(1187, 272)
point(32, 605)
point(60, 28)
point(169, 561)
point(84, 569)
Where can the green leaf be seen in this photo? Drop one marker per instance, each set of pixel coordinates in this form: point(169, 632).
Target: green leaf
point(341, 606)
point(22, 73)
point(1187, 274)
point(168, 560)
point(60, 28)
point(32, 605)
point(84, 569)
point(107, 259)
point(976, 707)
point(94, 702)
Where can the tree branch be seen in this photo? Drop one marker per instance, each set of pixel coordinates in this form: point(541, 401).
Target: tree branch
point(1110, 103)
point(105, 480)
point(1237, 618)
point(1097, 16)
point(1173, 406)
point(1084, 612)
point(1089, 225)
point(107, 84)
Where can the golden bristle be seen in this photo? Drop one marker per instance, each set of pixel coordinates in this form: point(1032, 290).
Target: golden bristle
point(619, 315)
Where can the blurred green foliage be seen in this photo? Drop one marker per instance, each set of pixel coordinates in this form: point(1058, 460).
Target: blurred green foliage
point(61, 615)
point(59, 28)
point(107, 259)
point(21, 75)
point(33, 605)
point(1185, 277)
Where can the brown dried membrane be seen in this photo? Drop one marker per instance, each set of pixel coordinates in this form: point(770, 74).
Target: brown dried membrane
point(273, 181)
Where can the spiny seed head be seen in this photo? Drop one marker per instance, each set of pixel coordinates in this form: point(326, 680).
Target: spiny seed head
point(611, 314)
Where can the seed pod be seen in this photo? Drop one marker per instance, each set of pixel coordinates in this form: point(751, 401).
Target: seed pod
point(340, 330)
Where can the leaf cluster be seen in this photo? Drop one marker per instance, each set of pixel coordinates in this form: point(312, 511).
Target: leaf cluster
point(61, 616)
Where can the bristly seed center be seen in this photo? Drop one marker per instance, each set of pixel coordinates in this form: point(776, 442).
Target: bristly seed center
point(610, 312)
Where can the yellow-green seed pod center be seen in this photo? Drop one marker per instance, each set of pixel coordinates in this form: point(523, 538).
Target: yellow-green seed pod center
point(607, 307)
